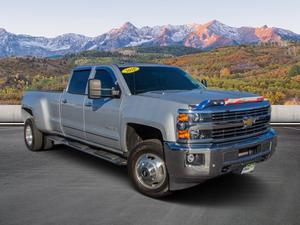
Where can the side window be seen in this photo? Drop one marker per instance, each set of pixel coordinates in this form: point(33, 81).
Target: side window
point(78, 82)
point(107, 79)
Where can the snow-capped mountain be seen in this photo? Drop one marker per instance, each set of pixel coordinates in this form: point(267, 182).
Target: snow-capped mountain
point(20, 45)
point(205, 36)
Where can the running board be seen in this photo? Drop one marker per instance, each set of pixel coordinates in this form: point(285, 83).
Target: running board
point(102, 154)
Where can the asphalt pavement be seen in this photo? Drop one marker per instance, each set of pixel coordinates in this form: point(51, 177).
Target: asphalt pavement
point(64, 186)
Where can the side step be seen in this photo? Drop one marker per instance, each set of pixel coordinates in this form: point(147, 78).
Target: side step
point(108, 156)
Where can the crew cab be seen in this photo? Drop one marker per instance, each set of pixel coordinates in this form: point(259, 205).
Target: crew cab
point(170, 130)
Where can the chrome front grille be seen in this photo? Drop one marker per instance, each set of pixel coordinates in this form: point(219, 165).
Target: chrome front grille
point(236, 115)
point(261, 118)
point(258, 127)
point(230, 124)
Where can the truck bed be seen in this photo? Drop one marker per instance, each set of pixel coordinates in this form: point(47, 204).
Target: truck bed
point(46, 108)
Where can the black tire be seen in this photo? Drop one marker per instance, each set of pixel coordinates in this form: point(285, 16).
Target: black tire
point(37, 136)
point(47, 143)
point(155, 148)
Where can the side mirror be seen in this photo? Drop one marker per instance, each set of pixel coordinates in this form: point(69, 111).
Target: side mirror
point(204, 82)
point(94, 89)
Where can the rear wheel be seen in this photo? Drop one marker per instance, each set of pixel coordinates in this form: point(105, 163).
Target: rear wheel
point(34, 138)
point(147, 169)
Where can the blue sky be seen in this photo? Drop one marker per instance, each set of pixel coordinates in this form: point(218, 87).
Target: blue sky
point(92, 17)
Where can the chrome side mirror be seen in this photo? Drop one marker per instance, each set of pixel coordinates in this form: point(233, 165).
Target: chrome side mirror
point(94, 89)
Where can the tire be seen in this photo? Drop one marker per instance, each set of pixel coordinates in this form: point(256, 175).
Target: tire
point(47, 143)
point(145, 157)
point(32, 136)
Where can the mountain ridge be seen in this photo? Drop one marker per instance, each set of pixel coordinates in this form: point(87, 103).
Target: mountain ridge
point(210, 35)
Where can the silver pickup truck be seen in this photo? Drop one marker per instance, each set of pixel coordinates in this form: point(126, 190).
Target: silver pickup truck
point(169, 129)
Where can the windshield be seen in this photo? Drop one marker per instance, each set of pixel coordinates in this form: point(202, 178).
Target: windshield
point(157, 78)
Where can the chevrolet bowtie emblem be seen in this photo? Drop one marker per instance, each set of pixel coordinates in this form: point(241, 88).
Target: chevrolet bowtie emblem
point(248, 122)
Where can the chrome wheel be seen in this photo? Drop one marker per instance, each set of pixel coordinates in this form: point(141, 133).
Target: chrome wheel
point(28, 135)
point(150, 170)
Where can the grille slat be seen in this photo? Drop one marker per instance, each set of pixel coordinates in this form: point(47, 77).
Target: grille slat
point(223, 116)
point(261, 124)
point(240, 133)
point(237, 130)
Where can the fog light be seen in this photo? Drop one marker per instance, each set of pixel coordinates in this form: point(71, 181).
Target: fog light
point(195, 159)
point(190, 158)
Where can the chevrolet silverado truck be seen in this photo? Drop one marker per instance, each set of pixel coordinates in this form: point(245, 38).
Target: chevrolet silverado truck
point(170, 130)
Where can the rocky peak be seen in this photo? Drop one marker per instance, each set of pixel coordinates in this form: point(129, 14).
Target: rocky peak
point(2, 31)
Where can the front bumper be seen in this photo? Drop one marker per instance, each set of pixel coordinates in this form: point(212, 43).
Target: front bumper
point(219, 158)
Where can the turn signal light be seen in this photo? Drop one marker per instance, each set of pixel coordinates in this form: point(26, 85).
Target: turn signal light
point(183, 117)
point(183, 134)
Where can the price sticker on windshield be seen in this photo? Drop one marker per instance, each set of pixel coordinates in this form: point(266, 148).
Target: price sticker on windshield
point(129, 70)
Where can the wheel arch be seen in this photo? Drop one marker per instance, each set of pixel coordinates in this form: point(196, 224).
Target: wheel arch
point(27, 113)
point(137, 132)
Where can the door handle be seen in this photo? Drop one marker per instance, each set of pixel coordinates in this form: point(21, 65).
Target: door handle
point(88, 104)
point(64, 101)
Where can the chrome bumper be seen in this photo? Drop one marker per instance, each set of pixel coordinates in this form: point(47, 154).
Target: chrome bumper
point(219, 158)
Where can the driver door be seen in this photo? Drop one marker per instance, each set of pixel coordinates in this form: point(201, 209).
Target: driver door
point(102, 116)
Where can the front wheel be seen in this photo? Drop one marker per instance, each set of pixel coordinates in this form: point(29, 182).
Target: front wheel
point(147, 169)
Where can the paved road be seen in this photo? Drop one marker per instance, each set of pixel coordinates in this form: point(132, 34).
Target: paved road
point(64, 186)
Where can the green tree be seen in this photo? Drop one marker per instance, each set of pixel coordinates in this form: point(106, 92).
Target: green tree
point(294, 71)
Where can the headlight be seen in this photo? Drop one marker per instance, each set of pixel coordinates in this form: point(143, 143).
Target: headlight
point(194, 117)
point(182, 125)
point(186, 128)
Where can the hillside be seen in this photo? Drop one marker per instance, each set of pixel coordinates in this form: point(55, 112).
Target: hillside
point(272, 71)
point(18, 74)
point(32, 73)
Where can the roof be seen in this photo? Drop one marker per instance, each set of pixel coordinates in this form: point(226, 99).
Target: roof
point(86, 67)
point(141, 64)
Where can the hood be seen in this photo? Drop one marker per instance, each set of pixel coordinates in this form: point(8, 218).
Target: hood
point(196, 96)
